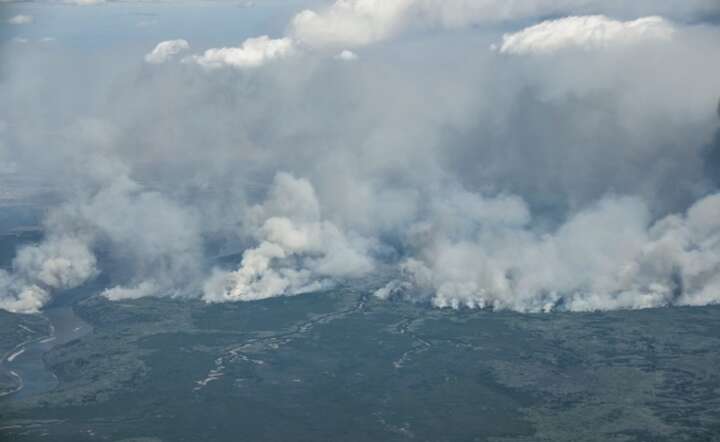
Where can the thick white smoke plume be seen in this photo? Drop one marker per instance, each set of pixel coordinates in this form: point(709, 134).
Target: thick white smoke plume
point(56, 264)
point(573, 167)
point(298, 250)
point(155, 242)
point(482, 253)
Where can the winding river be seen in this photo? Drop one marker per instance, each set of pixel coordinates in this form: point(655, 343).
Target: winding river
point(26, 362)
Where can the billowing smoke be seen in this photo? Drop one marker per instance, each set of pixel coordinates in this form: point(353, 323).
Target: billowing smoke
point(298, 250)
point(483, 253)
point(153, 247)
point(60, 262)
point(572, 166)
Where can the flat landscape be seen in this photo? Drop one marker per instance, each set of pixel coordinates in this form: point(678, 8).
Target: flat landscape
point(316, 366)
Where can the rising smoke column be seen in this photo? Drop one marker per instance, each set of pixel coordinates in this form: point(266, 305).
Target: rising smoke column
point(153, 244)
point(298, 250)
point(59, 262)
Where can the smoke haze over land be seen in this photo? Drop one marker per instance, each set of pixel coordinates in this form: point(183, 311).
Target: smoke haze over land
point(528, 155)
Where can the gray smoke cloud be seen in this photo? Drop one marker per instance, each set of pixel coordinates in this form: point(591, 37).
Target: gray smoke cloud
point(609, 256)
point(578, 177)
point(58, 263)
point(297, 249)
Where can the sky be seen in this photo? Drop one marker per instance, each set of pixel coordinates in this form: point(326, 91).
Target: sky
point(525, 155)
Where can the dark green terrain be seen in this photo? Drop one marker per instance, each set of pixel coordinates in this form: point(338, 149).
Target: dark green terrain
point(343, 366)
point(15, 330)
